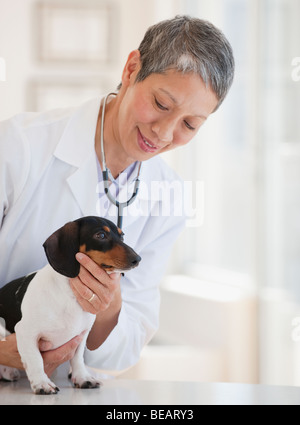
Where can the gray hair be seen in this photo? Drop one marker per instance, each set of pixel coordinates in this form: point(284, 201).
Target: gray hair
point(189, 45)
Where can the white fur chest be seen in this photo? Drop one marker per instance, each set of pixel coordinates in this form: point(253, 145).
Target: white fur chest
point(50, 309)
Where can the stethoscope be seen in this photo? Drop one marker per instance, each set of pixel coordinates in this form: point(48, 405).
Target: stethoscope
point(107, 176)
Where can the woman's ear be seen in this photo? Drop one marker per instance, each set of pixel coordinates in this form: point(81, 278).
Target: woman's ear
point(132, 68)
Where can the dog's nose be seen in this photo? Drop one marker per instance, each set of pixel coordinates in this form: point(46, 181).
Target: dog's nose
point(136, 261)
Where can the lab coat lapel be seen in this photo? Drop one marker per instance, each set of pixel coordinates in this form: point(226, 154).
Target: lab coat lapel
point(83, 184)
point(77, 148)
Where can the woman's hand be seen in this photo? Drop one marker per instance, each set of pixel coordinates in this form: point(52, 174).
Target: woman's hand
point(9, 355)
point(54, 358)
point(100, 294)
point(94, 289)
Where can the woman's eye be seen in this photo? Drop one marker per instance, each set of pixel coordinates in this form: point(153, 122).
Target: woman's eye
point(160, 106)
point(189, 126)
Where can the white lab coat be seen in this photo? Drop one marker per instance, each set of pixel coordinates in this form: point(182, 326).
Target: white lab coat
point(48, 176)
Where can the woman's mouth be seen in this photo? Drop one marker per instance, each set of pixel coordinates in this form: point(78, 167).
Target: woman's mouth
point(145, 144)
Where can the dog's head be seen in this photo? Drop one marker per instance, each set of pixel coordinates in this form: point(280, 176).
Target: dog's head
point(96, 237)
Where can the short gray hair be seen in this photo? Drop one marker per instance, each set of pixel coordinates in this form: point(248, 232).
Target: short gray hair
point(189, 45)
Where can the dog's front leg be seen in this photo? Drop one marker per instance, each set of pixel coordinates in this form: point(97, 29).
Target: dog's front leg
point(81, 377)
point(33, 361)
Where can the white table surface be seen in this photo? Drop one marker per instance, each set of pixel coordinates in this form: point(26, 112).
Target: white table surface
point(130, 392)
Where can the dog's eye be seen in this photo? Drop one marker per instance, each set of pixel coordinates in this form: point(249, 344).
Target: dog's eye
point(101, 235)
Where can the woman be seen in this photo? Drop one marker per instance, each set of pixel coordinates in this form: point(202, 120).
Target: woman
point(50, 173)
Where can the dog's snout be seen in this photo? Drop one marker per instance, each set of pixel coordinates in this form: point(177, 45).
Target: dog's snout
point(135, 262)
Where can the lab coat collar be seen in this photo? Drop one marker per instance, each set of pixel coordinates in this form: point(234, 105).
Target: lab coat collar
point(78, 139)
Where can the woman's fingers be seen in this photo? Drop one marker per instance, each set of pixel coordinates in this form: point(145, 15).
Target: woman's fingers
point(93, 287)
point(54, 358)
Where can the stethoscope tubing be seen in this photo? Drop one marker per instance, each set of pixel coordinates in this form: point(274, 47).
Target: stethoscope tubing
point(106, 173)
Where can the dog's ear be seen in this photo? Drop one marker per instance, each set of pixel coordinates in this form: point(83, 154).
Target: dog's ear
point(61, 248)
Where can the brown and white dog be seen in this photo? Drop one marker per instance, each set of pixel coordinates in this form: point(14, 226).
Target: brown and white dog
point(42, 305)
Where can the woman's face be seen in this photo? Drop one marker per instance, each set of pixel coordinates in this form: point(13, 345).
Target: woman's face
point(162, 112)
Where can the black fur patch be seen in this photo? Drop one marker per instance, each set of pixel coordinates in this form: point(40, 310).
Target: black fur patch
point(11, 297)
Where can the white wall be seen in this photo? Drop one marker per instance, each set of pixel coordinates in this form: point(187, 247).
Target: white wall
point(15, 48)
point(18, 41)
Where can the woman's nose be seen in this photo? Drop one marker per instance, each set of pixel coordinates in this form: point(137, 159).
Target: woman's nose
point(164, 130)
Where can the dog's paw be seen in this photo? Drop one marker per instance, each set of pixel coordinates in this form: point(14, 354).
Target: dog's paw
point(44, 388)
point(9, 374)
point(85, 382)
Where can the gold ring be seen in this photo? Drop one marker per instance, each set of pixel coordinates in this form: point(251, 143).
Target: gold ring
point(92, 298)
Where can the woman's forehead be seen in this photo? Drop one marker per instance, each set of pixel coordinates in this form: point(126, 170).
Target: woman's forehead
point(184, 90)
